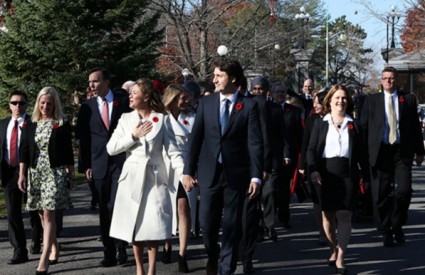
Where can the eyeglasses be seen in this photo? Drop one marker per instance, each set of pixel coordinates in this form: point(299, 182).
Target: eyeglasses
point(391, 79)
point(21, 103)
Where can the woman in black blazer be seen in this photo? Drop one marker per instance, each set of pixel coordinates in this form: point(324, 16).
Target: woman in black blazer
point(308, 128)
point(333, 157)
point(46, 156)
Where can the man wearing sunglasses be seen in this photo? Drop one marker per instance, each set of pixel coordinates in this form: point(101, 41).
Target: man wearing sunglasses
point(10, 132)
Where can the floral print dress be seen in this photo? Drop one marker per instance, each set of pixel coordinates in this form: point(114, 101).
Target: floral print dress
point(47, 188)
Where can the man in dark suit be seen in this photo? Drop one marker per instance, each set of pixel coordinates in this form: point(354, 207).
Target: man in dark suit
point(10, 132)
point(97, 119)
point(306, 97)
point(225, 151)
point(251, 210)
point(391, 129)
point(293, 130)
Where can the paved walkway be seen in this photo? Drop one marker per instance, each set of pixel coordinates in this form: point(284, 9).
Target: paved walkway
point(296, 251)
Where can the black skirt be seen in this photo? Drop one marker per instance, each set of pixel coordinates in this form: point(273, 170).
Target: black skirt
point(337, 191)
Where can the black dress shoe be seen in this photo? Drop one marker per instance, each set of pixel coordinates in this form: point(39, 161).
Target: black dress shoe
point(331, 262)
point(399, 236)
point(122, 257)
point(35, 249)
point(341, 270)
point(248, 268)
point(38, 272)
point(212, 267)
point(388, 240)
point(272, 234)
point(166, 255)
point(108, 262)
point(18, 260)
point(183, 268)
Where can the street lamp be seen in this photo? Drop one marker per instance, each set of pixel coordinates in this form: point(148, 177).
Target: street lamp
point(393, 15)
point(222, 50)
point(185, 73)
point(304, 18)
point(342, 37)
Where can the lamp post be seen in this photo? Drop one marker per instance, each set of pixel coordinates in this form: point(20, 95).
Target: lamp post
point(304, 18)
point(342, 37)
point(222, 50)
point(393, 15)
point(185, 74)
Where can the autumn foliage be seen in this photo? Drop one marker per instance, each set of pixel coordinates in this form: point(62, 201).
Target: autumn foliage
point(413, 36)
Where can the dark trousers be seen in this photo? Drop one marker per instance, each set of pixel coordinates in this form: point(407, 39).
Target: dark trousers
point(94, 194)
point(270, 193)
point(284, 196)
point(107, 190)
point(391, 185)
point(251, 214)
point(217, 201)
point(13, 199)
point(37, 228)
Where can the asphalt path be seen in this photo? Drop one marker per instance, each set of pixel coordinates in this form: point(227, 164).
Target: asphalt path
point(295, 252)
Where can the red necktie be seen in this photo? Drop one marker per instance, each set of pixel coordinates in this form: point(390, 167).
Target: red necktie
point(13, 152)
point(105, 113)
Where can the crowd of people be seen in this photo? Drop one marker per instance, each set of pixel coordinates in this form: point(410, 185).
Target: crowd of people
point(166, 162)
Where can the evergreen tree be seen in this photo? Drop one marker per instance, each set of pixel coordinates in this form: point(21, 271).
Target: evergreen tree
point(55, 43)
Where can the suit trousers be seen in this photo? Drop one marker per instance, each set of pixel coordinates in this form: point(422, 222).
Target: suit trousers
point(270, 193)
point(251, 214)
point(107, 190)
point(221, 202)
point(391, 185)
point(284, 196)
point(13, 199)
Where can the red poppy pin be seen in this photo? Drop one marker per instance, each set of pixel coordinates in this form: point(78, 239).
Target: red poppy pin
point(239, 106)
point(24, 124)
point(155, 119)
point(401, 99)
point(350, 126)
point(115, 103)
point(185, 122)
point(55, 125)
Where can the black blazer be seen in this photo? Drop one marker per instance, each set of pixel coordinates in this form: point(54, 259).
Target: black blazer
point(317, 144)
point(308, 129)
point(241, 144)
point(59, 149)
point(372, 121)
point(93, 136)
point(293, 128)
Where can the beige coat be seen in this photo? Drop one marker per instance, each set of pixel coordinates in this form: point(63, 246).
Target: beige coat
point(143, 208)
point(181, 128)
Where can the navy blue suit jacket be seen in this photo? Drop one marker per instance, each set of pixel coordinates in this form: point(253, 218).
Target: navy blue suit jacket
point(93, 136)
point(241, 144)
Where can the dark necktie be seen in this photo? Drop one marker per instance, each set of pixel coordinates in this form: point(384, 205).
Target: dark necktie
point(225, 115)
point(13, 152)
point(105, 113)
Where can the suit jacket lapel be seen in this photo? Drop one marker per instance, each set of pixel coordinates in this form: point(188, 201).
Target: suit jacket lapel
point(322, 136)
point(401, 99)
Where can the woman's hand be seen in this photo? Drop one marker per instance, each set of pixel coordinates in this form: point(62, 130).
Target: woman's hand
point(316, 178)
point(142, 130)
point(22, 183)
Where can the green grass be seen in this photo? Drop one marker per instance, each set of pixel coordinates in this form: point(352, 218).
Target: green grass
point(79, 178)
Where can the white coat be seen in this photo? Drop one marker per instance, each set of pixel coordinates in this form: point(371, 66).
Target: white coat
point(181, 128)
point(142, 209)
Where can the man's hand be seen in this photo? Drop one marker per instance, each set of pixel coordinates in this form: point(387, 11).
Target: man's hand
point(265, 176)
point(22, 184)
point(188, 182)
point(419, 160)
point(253, 190)
point(89, 174)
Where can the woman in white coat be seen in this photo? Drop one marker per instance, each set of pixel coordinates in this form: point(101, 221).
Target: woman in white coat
point(180, 121)
point(143, 212)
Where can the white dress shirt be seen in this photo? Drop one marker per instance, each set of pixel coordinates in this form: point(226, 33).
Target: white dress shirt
point(337, 142)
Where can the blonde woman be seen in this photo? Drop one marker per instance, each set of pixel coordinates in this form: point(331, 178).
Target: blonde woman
point(143, 213)
point(46, 154)
point(180, 120)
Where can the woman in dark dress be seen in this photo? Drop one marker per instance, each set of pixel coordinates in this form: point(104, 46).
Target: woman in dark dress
point(334, 154)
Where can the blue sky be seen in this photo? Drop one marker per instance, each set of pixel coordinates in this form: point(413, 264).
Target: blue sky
point(376, 30)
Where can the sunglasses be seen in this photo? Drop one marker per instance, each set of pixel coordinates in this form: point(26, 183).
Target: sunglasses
point(18, 102)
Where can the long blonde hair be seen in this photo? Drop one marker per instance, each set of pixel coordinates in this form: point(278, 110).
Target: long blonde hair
point(57, 113)
point(170, 93)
